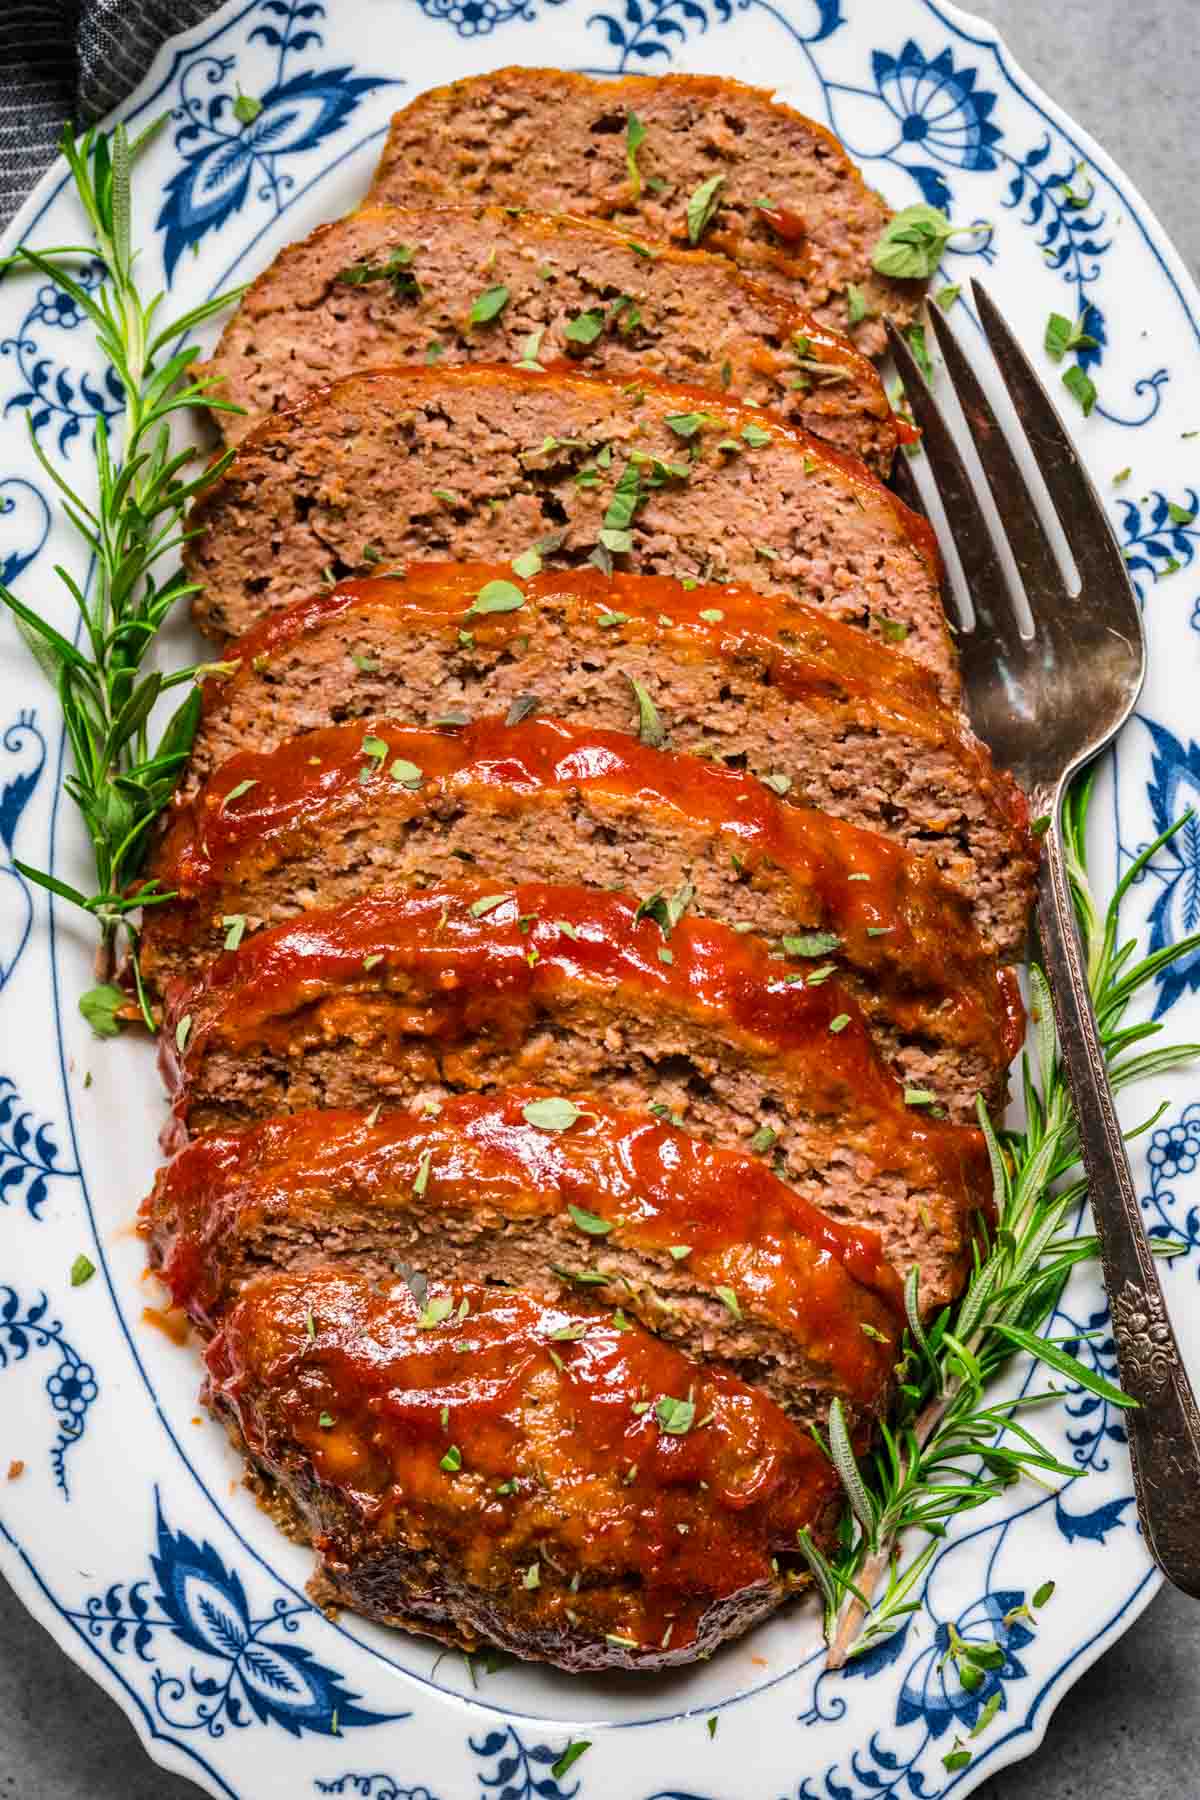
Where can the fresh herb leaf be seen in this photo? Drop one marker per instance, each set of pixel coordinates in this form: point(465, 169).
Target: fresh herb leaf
point(585, 328)
point(675, 1417)
point(778, 784)
point(488, 306)
point(729, 1299)
point(554, 1114)
point(840, 1023)
point(497, 597)
point(1063, 337)
point(102, 1007)
point(576, 1748)
point(755, 436)
point(911, 244)
point(812, 943)
point(1080, 384)
point(650, 726)
point(435, 1312)
point(702, 207)
point(452, 1461)
point(635, 137)
point(246, 108)
point(592, 1223)
point(82, 1269)
point(528, 564)
point(856, 304)
point(946, 296)
point(686, 425)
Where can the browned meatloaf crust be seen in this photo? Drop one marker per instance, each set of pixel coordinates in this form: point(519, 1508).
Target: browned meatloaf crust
point(333, 815)
point(828, 716)
point(706, 1247)
point(412, 997)
point(517, 1471)
point(397, 285)
point(486, 461)
point(558, 142)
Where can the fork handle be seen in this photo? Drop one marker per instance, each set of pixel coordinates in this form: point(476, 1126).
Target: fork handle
point(1164, 1428)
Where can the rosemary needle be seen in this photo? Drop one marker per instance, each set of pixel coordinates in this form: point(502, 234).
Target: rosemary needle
point(120, 781)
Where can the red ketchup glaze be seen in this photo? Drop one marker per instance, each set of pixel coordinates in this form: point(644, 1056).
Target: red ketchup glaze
point(789, 1266)
point(455, 973)
point(789, 226)
point(819, 661)
point(844, 878)
point(402, 387)
point(741, 1482)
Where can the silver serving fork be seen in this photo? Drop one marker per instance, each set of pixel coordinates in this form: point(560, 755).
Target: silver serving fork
point(1046, 705)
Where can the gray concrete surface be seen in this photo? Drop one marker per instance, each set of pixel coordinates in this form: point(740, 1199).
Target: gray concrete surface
point(1127, 1731)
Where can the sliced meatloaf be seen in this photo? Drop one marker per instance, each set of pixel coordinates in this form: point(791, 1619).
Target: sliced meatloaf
point(694, 158)
point(706, 1247)
point(409, 998)
point(402, 284)
point(546, 1477)
point(485, 461)
point(816, 708)
point(330, 816)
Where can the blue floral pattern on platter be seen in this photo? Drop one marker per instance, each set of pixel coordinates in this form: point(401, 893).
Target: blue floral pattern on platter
point(193, 1615)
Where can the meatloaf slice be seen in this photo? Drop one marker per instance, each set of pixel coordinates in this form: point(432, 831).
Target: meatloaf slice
point(816, 708)
point(706, 1247)
point(329, 816)
point(787, 203)
point(485, 461)
point(409, 998)
point(394, 284)
point(541, 1476)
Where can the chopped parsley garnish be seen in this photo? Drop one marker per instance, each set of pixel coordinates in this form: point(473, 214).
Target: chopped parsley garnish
point(778, 784)
point(755, 436)
point(711, 1723)
point(554, 1114)
point(246, 108)
point(310, 1327)
point(592, 1223)
point(585, 328)
point(489, 902)
point(528, 563)
point(397, 269)
point(702, 207)
point(181, 1032)
point(666, 956)
point(812, 943)
point(686, 425)
point(1044, 1593)
point(576, 1748)
point(712, 615)
point(675, 1417)
point(421, 1178)
point(1080, 384)
point(678, 1251)
point(763, 1140)
point(955, 1759)
point(452, 1461)
point(1179, 515)
point(914, 337)
point(607, 620)
point(729, 1299)
point(435, 1312)
point(1062, 337)
point(326, 1421)
point(911, 244)
point(236, 792)
point(82, 1269)
point(405, 773)
point(375, 748)
point(370, 962)
point(507, 1487)
point(530, 348)
point(235, 924)
point(497, 597)
point(533, 1576)
point(856, 304)
point(569, 1333)
point(523, 707)
point(635, 137)
point(892, 631)
point(840, 1023)
point(488, 306)
point(666, 912)
point(946, 296)
point(650, 726)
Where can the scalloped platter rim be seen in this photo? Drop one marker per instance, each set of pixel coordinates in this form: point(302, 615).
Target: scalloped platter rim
point(126, 1531)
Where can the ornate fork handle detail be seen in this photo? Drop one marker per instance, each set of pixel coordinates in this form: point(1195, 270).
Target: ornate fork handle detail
point(1164, 1429)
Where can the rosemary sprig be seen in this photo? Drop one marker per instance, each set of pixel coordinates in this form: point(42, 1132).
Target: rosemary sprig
point(952, 1445)
point(120, 782)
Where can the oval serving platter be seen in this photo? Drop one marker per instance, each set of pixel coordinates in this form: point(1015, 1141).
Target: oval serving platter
point(127, 1532)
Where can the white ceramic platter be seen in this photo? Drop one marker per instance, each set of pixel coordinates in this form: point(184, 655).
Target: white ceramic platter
point(127, 1533)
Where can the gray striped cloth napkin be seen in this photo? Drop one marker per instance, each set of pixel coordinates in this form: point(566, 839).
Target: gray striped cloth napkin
point(71, 59)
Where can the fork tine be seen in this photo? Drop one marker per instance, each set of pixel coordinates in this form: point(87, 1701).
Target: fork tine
point(1079, 507)
point(1040, 573)
point(994, 612)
